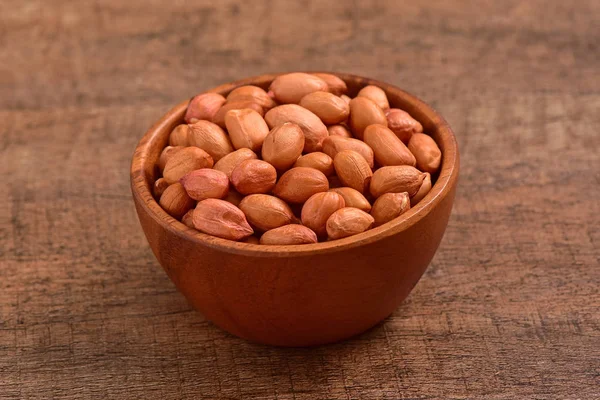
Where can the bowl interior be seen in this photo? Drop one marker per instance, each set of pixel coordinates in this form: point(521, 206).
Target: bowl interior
point(144, 172)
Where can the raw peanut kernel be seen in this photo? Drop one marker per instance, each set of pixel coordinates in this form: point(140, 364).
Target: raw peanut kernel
point(339, 130)
point(283, 145)
point(423, 190)
point(247, 128)
point(289, 234)
point(314, 130)
point(252, 93)
point(364, 112)
point(316, 160)
point(166, 154)
point(318, 208)
point(254, 176)
point(222, 219)
point(228, 163)
point(376, 94)
point(335, 85)
point(210, 138)
point(388, 149)
point(334, 144)
point(329, 107)
point(298, 184)
point(203, 106)
point(396, 179)
point(402, 124)
point(175, 201)
point(219, 117)
point(205, 183)
point(266, 212)
point(389, 206)
point(353, 198)
point(426, 152)
point(290, 88)
point(348, 221)
point(353, 170)
point(184, 161)
point(179, 136)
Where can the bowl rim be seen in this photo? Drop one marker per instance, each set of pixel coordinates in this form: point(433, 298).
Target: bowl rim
point(448, 175)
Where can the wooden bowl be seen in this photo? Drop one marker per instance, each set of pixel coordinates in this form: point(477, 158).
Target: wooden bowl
point(305, 294)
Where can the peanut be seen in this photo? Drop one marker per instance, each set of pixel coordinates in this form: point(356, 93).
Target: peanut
point(254, 176)
point(184, 161)
point(364, 112)
point(426, 151)
point(222, 219)
point(289, 234)
point(348, 221)
point(388, 149)
point(318, 208)
point(283, 145)
point(266, 212)
point(396, 179)
point(353, 170)
point(298, 184)
point(389, 206)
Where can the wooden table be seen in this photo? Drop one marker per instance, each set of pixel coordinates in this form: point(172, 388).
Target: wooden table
point(510, 306)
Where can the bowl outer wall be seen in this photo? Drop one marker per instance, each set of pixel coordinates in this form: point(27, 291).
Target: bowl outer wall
point(299, 295)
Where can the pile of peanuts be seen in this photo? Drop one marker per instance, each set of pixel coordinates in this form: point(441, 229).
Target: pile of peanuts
point(297, 164)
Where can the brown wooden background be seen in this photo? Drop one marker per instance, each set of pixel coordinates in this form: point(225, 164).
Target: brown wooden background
point(509, 308)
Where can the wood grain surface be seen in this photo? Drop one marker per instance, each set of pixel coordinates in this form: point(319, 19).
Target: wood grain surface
point(508, 309)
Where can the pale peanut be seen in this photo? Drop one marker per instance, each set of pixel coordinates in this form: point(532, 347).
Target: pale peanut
point(339, 130)
point(396, 179)
point(426, 151)
point(353, 198)
point(329, 107)
point(298, 184)
point(175, 200)
point(402, 124)
point(180, 136)
point(290, 88)
point(335, 85)
point(184, 161)
point(265, 212)
point(316, 160)
point(289, 235)
point(204, 106)
point(205, 183)
point(210, 138)
point(423, 190)
point(376, 94)
point(353, 170)
point(348, 221)
point(247, 129)
point(252, 93)
point(388, 149)
point(389, 206)
point(254, 176)
point(228, 163)
point(364, 112)
point(318, 208)
point(222, 219)
point(313, 128)
point(283, 145)
point(332, 145)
